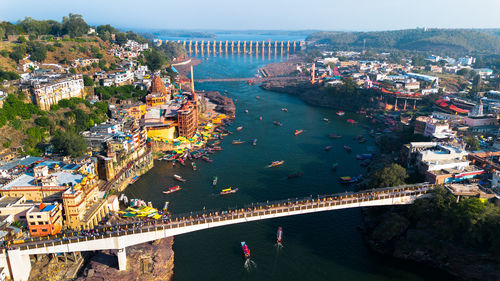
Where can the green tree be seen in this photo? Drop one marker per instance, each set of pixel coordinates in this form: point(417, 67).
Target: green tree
point(37, 51)
point(74, 25)
point(121, 38)
point(155, 60)
point(67, 143)
point(87, 81)
point(392, 175)
point(472, 143)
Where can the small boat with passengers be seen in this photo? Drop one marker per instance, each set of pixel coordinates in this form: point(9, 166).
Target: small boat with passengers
point(228, 191)
point(172, 189)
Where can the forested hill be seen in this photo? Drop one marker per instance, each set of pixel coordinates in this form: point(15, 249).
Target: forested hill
point(434, 40)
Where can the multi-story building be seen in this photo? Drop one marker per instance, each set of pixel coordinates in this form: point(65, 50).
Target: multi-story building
point(49, 91)
point(187, 119)
point(44, 219)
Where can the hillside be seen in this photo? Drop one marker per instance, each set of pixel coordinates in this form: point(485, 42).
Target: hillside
point(450, 41)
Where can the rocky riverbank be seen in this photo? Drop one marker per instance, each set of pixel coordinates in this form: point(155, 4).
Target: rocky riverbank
point(148, 261)
point(221, 104)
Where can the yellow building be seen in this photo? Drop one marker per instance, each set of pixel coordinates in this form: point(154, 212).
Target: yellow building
point(164, 132)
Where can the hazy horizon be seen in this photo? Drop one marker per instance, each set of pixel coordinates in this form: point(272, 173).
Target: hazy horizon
point(262, 15)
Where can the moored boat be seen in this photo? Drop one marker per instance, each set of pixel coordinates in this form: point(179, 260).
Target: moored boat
point(348, 180)
point(298, 132)
point(172, 189)
point(134, 179)
point(206, 159)
point(276, 164)
point(351, 121)
point(363, 140)
point(194, 166)
point(340, 113)
point(228, 191)
point(238, 141)
point(245, 249)
point(179, 178)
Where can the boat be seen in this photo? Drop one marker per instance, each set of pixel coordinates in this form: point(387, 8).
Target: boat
point(257, 97)
point(254, 143)
point(276, 164)
point(277, 123)
point(363, 140)
point(172, 189)
point(340, 113)
point(179, 178)
point(165, 207)
point(279, 235)
point(181, 161)
point(326, 120)
point(239, 128)
point(228, 191)
point(334, 166)
point(296, 175)
point(134, 179)
point(193, 165)
point(298, 132)
point(351, 121)
point(246, 111)
point(215, 180)
point(328, 148)
point(347, 148)
point(284, 110)
point(246, 251)
point(334, 136)
point(206, 159)
point(348, 180)
point(260, 118)
point(238, 141)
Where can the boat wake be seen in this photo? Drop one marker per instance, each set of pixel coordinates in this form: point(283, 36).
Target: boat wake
point(250, 265)
point(278, 246)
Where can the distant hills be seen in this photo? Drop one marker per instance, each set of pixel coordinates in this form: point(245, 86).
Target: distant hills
point(449, 41)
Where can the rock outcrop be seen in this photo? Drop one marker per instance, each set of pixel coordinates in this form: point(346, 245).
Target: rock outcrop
point(223, 104)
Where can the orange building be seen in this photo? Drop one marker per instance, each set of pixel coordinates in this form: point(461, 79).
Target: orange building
point(187, 119)
point(154, 99)
point(157, 86)
point(44, 220)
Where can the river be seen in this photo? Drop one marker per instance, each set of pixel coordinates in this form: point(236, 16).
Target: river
point(319, 246)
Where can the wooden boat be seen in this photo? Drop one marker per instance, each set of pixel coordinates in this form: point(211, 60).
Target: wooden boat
point(351, 121)
point(134, 179)
point(347, 148)
point(254, 143)
point(334, 136)
point(276, 164)
point(296, 175)
point(165, 207)
point(334, 166)
point(239, 128)
point(277, 123)
point(284, 110)
point(348, 180)
point(206, 159)
point(246, 111)
point(194, 166)
point(246, 251)
point(172, 189)
point(181, 161)
point(328, 148)
point(298, 132)
point(363, 140)
point(215, 180)
point(228, 191)
point(238, 141)
point(179, 178)
point(340, 113)
point(326, 120)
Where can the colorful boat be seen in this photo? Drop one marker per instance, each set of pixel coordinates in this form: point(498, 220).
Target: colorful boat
point(284, 110)
point(238, 141)
point(298, 132)
point(246, 251)
point(172, 189)
point(134, 179)
point(296, 175)
point(347, 148)
point(228, 191)
point(334, 166)
point(179, 178)
point(340, 113)
point(165, 207)
point(206, 159)
point(239, 128)
point(254, 142)
point(279, 235)
point(328, 148)
point(348, 180)
point(351, 121)
point(276, 164)
point(194, 166)
point(214, 181)
point(246, 111)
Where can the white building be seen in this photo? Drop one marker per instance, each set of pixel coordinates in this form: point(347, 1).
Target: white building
point(466, 60)
point(51, 91)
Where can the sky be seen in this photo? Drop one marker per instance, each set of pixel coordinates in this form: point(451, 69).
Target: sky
point(354, 15)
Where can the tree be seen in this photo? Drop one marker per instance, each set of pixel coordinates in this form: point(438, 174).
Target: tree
point(392, 175)
point(121, 38)
point(67, 143)
point(37, 51)
point(155, 60)
point(18, 52)
point(472, 143)
point(74, 25)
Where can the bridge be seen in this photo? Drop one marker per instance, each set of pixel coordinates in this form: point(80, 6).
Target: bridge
point(119, 237)
point(253, 80)
point(244, 47)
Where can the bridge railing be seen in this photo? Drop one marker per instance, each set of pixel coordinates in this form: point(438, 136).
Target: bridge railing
point(253, 210)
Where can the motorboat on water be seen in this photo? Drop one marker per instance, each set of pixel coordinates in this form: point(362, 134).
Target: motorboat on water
point(351, 121)
point(284, 110)
point(172, 190)
point(328, 148)
point(254, 143)
point(348, 180)
point(238, 141)
point(326, 120)
point(239, 128)
point(246, 111)
point(206, 159)
point(179, 178)
point(296, 175)
point(363, 140)
point(277, 123)
point(260, 118)
point(165, 207)
point(276, 164)
point(279, 235)
point(298, 132)
point(228, 191)
point(334, 136)
point(334, 166)
point(246, 251)
point(347, 148)
point(194, 166)
point(214, 181)
point(340, 113)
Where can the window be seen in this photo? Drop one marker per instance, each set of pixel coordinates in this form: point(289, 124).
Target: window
point(22, 217)
point(39, 216)
point(32, 223)
point(33, 230)
point(44, 230)
point(31, 217)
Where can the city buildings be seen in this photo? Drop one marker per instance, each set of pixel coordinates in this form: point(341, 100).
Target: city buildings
point(49, 90)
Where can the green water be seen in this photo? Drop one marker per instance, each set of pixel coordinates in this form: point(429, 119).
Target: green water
point(320, 246)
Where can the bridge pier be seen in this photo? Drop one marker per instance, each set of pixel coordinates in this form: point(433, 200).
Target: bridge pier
point(19, 265)
point(122, 259)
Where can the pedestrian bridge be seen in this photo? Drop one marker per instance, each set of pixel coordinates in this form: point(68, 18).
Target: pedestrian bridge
point(119, 237)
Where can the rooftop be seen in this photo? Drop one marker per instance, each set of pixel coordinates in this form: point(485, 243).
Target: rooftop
point(63, 178)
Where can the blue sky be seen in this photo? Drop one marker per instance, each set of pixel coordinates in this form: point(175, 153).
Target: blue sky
point(265, 14)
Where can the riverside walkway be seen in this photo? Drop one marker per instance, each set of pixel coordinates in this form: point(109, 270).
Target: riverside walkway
point(120, 236)
point(254, 80)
